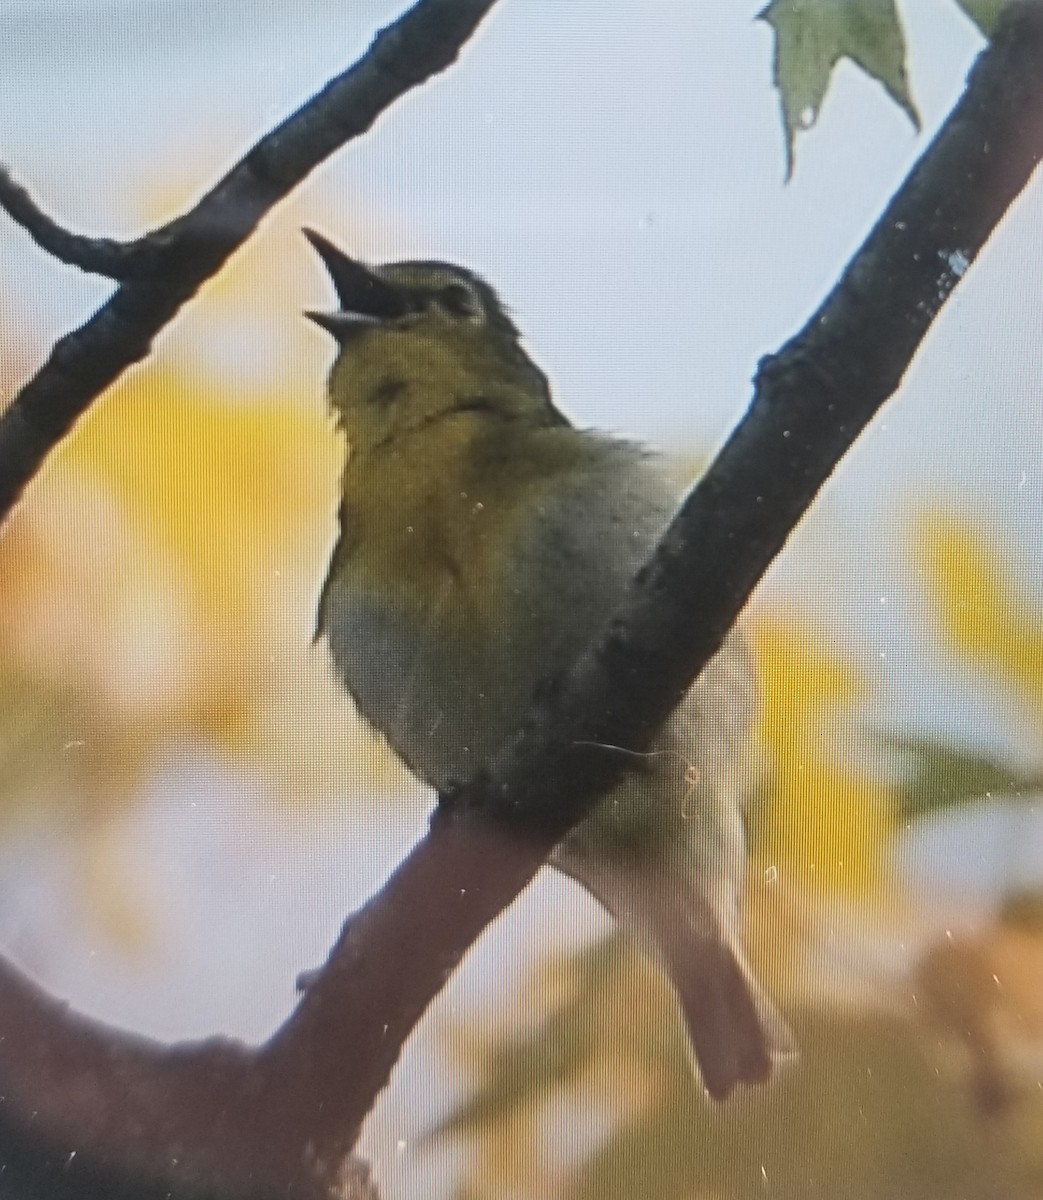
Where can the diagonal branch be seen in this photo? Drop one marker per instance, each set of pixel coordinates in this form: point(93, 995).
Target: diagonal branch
point(281, 1119)
point(164, 269)
point(811, 401)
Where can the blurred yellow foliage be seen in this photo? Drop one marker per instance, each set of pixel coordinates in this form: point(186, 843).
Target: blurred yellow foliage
point(157, 589)
point(826, 821)
point(167, 559)
point(233, 507)
point(984, 612)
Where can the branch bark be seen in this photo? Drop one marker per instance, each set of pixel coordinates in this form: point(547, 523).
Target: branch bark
point(281, 1119)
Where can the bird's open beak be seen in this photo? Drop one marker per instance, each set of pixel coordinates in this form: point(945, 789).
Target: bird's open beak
point(365, 298)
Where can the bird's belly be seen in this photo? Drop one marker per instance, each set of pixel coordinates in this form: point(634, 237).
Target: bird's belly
point(437, 689)
point(447, 665)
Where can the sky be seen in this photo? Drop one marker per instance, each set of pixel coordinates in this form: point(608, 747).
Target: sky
point(617, 172)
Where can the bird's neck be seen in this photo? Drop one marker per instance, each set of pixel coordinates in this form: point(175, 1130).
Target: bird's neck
point(413, 521)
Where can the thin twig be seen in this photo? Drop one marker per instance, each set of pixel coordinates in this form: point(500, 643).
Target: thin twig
point(165, 269)
point(98, 256)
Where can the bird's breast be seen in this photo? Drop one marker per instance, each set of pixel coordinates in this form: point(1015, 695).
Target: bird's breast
point(452, 609)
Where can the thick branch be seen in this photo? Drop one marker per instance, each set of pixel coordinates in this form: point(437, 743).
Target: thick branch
point(165, 269)
point(279, 1119)
point(811, 402)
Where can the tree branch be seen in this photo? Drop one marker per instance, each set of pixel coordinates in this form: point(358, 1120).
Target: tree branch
point(282, 1118)
point(99, 256)
point(164, 269)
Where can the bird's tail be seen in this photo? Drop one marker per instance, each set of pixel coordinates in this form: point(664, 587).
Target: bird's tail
point(735, 1032)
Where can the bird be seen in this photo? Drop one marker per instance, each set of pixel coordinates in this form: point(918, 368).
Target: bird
point(483, 542)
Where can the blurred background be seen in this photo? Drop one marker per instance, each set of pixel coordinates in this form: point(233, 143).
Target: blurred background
point(188, 806)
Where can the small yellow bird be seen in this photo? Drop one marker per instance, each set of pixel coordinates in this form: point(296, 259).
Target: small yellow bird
point(484, 542)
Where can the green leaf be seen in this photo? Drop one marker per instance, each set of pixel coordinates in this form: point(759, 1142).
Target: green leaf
point(984, 13)
point(941, 777)
point(812, 36)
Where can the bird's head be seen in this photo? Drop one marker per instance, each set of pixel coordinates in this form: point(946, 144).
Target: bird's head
point(419, 340)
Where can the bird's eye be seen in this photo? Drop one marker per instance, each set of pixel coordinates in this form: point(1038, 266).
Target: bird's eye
point(459, 301)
